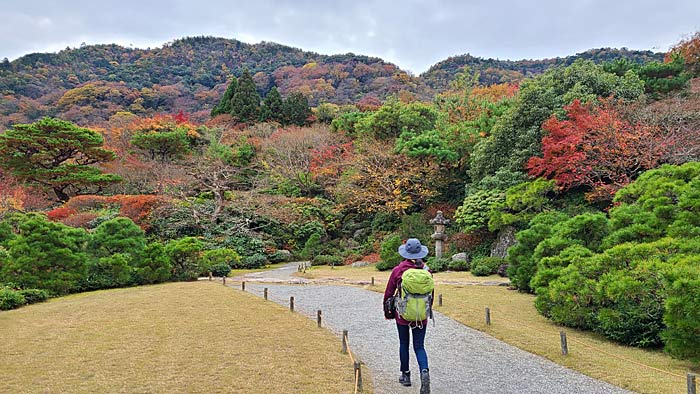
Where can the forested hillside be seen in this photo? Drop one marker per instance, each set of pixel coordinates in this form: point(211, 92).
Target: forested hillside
point(91, 84)
point(493, 71)
point(88, 85)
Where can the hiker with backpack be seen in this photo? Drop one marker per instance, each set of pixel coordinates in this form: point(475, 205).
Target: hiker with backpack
point(408, 299)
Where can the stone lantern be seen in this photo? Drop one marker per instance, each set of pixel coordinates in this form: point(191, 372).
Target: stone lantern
point(440, 237)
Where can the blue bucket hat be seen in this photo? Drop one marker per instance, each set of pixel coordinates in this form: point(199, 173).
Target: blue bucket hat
point(412, 249)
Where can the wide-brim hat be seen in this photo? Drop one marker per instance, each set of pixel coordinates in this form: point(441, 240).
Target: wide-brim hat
point(413, 249)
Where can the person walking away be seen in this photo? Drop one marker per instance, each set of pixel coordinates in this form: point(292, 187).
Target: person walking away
point(411, 321)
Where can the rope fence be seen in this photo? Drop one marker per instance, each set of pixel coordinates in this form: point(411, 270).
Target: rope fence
point(357, 365)
point(690, 378)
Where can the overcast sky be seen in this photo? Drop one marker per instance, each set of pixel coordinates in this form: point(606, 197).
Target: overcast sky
point(412, 34)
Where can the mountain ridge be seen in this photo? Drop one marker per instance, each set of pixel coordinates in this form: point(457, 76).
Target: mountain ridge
point(93, 83)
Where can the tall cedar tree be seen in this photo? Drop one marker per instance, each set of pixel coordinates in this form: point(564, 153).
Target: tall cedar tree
point(245, 105)
point(56, 154)
point(272, 107)
point(296, 110)
point(224, 106)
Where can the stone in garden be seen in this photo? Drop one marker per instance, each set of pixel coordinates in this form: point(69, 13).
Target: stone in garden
point(459, 257)
point(358, 264)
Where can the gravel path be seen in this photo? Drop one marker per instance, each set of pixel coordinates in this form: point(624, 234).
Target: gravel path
point(461, 360)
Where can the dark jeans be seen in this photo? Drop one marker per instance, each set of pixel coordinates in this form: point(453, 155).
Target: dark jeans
point(418, 339)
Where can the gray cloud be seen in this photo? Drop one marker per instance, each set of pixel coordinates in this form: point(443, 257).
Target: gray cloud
point(413, 34)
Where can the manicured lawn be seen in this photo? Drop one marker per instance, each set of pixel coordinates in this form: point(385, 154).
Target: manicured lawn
point(181, 337)
point(366, 274)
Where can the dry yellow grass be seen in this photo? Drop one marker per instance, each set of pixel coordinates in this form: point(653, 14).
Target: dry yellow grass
point(380, 277)
point(515, 321)
point(196, 337)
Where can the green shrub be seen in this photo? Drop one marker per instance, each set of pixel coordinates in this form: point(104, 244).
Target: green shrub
point(522, 265)
point(34, 295)
point(210, 258)
point(108, 272)
point(389, 253)
point(118, 235)
point(312, 247)
point(458, 265)
point(254, 261)
point(10, 299)
point(473, 214)
point(220, 269)
point(279, 256)
point(682, 314)
point(46, 255)
point(438, 264)
point(485, 266)
point(245, 245)
point(325, 259)
point(155, 267)
point(185, 256)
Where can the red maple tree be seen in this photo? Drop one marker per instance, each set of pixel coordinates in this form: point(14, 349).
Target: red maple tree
point(595, 147)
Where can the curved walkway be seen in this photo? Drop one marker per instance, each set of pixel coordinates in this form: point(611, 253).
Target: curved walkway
point(462, 360)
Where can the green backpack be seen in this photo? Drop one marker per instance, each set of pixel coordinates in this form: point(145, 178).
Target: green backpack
point(415, 295)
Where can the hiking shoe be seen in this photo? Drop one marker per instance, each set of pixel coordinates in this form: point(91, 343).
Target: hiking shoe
point(405, 378)
point(424, 382)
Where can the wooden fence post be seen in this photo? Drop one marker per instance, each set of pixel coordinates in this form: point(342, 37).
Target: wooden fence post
point(358, 373)
point(488, 316)
point(243, 286)
point(224, 280)
point(210, 276)
point(692, 381)
point(291, 304)
point(439, 299)
point(318, 318)
point(373, 281)
point(345, 341)
point(564, 345)
point(265, 293)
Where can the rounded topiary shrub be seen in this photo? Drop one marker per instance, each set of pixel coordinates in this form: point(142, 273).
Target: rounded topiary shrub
point(485, 266)
point(280, 256)
point(254, 261)
point(438, 264)
point(458, 265)
point(217, 257)
point(10, 299)
point(220, 270)
point(325, 259)
point(32, 296)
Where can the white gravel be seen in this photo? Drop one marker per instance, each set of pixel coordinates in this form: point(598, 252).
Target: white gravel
point(462, 360)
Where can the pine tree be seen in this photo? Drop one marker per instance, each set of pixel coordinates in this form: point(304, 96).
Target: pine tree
point(296, 110)
point(58, 155)
point(271, 109)
point(245, 105)
point(224, 106)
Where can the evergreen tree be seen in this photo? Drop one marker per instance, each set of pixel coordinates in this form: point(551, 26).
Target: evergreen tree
point(296, 110)
point(245, 105)
point(224, 106)
point(58, 155)
point(272, 106)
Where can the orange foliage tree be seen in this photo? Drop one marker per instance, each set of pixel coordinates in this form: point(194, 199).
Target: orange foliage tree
point(80, 210)
point(379, 180)
point(689, 48)
point(596, 148)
